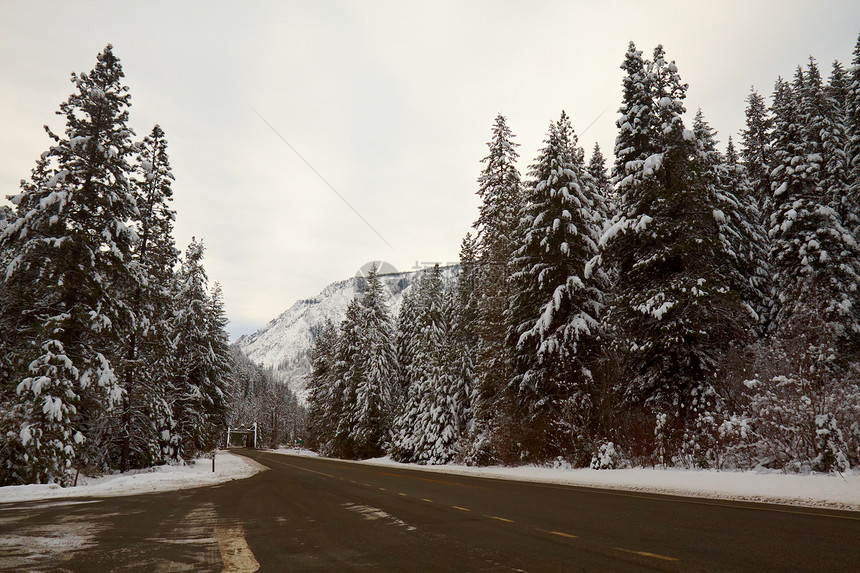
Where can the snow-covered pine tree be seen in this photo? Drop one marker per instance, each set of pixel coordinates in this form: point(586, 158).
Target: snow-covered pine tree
point(465, 317)
point(673, 311)
point(743, 239)
point(636, 125)
point(197, 393)
point(70, 248)
point(814, 256)
point(434, 419)
point(323, 404)
point(375, 393)
point(556, 302)
point(500, 190)
point(220, 363)
point(348, 376)
point(756, 151)
point(145, 412)
point(404, 340)
point(598, 172)
point(852, 126)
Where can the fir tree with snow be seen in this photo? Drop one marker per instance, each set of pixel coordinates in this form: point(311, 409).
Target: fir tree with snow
point(371, 415)
point(743, 240)
point(435, 415)
point(500, 190)
point(145, 411)
point(70, 247)
point(199, 362)
point(852, 127)
point(598, 172)
point(756, 150)
point(814, 256)
point(673, 312)
point(556, 300)
point(323, 404)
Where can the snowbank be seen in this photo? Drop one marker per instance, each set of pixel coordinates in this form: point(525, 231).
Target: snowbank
point(814, 490)
point(162, 478)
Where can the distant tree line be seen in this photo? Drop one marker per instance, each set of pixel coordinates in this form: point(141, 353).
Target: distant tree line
point(696, 308)
point(259, 395)
point(113, 349)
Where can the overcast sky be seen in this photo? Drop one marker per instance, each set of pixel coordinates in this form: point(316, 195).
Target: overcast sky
point(391, 102)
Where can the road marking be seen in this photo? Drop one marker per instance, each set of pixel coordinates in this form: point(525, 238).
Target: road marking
point(382, 489)
point(427, 500)
point(500, 518)
point(403, 494)
point(235, 553)
point(461, 508)
point(647, 554)
point(559, 533)
point(427, 479)
point(303, 469)
point(753, 505)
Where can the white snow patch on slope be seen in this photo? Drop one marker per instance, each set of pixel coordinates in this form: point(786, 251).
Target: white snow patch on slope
point(228, 467)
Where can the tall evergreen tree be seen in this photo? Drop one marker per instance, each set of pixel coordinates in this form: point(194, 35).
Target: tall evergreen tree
point(70, 248)
point(199, 362)
point(323, 405)
point(742, 238)
point(756, 150)
point(375, 392)
point(500, 190)
point(145, 411)
point(600, 176)
point(636, 124)
point(814, 256)
point(435, 416)
point(673, 310)
point(852, 125)
point(556, 303)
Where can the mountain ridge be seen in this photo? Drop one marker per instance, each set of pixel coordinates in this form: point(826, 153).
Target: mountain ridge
point(284, 344)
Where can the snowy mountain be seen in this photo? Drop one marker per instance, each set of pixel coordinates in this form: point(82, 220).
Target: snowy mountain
point(285, 343)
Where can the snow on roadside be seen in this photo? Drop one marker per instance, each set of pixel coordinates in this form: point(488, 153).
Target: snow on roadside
point(228, 467)
point(295, 452)
point(812, 490)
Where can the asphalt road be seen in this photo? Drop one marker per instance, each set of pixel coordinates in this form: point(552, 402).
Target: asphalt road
point(308, 514)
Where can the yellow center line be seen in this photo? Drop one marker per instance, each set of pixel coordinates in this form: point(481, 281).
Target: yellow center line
point(647, 554)
point(559, 533)
point(303, 469)
point(461, 508)
point(496, 517)
point(429, 479)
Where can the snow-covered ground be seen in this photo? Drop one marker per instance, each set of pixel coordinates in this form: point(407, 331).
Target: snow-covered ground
point(813, 490)
point(162, 478)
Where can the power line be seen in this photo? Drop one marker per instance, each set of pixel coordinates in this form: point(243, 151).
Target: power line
point(296, 151)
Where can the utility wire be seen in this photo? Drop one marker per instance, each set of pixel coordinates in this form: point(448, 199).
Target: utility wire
point(323, 179)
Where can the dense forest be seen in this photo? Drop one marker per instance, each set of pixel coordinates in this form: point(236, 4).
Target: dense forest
point(113, 349)
point(687, 306)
